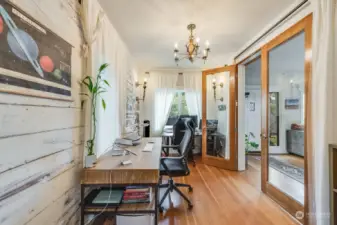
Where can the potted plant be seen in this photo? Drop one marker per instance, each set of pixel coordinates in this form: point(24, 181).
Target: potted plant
point(95, 87)
point(250, 145)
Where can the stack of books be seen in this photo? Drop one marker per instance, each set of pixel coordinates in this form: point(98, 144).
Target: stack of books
point(134, 194)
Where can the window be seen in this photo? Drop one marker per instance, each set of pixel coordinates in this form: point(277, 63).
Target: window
point(179, 105)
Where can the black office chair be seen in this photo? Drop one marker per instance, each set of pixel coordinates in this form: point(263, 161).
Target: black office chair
point(191, 125)
point(177, 167)
point(178, 134)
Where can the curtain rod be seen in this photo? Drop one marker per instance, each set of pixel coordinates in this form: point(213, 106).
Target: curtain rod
point(272, 27)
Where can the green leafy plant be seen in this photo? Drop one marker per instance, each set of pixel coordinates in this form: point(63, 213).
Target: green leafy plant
point(95, 87)
point(250, 144)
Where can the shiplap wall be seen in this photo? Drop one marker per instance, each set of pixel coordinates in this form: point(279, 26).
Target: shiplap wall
point(41, 140)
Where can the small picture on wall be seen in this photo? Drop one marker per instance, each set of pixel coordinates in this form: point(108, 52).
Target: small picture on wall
point(222, 107)
point(292, 103)
point(251, 106)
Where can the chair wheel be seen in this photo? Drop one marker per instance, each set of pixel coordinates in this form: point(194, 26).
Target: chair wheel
point(190, 206)
point(190, 189)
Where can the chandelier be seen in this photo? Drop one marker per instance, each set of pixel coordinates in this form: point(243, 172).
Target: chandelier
point(192, 48)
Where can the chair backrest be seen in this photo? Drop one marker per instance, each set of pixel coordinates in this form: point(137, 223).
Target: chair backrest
point(178, 131)
point(185, 144)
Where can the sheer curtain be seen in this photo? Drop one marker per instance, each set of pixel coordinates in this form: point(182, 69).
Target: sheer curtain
point(162, 105)
point(109, 48)
point(192, 88)
point(158, 81)
point(324, 92)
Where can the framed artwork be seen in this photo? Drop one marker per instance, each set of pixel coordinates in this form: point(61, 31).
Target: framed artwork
point(292, 103)
point(33, 60)
point(251, 106)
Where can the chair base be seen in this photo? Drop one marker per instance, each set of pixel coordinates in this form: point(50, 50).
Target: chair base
point(174, 186)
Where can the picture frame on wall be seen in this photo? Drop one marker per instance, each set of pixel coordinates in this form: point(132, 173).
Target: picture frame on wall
point(292, 103)
point(252, 106)
point(34, 61)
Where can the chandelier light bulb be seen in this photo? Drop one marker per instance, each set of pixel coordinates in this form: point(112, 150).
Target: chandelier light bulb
point(145, 79)
point(205, 52)
point(207, 44)
point(176, 45)
point(214, 80)
point(197, 40)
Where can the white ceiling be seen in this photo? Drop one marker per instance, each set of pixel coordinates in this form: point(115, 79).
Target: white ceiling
point(151, 27)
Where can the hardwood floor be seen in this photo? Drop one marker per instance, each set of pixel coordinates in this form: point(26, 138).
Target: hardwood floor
point(222, 197)
point(283, 182)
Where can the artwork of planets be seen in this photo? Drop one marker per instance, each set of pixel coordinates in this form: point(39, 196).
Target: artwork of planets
point(57, 74)
point(1, 25)
point(47, 64)
point(35, 60)
point(26, 40)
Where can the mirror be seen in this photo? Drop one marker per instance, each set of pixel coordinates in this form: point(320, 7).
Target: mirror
point(287, 117)
point(217, 115)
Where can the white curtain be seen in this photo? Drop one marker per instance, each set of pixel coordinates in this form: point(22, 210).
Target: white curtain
point(162, 105)
point(192, 88)
point(324, 105)
point(109, 48)
point(157, 80)
point(91, 21)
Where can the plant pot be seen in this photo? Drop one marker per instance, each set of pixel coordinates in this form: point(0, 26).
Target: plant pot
point(90, 160)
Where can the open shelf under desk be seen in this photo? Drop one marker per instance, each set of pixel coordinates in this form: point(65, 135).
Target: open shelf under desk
point(125, 208)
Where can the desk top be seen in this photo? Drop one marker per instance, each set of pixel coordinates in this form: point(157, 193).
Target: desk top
point(143, 169)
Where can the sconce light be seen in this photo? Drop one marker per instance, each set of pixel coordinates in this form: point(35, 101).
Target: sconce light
point(137, 84)
point(214, 89)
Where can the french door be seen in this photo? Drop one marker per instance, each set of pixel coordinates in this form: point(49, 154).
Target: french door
point(219, 117)
point(285, 133)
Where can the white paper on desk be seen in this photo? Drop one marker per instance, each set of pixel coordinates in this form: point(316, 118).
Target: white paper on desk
point(148, 147)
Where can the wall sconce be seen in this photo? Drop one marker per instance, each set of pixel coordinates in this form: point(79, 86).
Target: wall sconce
point(137, 84)
point(214, 89)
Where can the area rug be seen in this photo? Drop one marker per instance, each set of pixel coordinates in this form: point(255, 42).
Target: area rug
point(286, 168)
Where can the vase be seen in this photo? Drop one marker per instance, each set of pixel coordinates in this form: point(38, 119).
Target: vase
point(90, 160)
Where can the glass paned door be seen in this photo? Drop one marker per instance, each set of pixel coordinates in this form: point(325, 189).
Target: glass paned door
point(219, 119)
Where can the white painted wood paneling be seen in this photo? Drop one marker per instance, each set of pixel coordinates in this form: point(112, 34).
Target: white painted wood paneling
point(41, 140)
point(33, 172)
point(24, 206)
point(62, 211)
point(17, 119)
point(14, 149)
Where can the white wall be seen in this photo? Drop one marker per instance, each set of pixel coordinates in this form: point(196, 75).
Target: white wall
point(253, 118)
point(42, 140)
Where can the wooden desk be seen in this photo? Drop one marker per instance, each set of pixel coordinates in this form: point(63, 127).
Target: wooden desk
point(108, 172)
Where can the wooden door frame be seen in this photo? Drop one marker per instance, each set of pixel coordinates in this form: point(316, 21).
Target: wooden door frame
point(232, 163)
point(287, 202)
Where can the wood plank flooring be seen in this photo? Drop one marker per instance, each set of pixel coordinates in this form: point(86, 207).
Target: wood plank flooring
point(222, 197)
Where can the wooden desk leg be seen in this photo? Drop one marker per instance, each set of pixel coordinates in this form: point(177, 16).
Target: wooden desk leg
point(82, 204)
point(156, 204)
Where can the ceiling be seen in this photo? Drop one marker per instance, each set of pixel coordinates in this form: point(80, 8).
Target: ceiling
point(150, 28)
